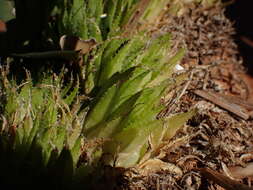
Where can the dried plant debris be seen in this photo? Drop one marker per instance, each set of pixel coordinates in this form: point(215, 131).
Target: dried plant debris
point(206, 33)
point(216, 138)
point(223, 181)
point(230, 103)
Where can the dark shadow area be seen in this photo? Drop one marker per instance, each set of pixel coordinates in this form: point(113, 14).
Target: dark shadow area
point(25, 32)
point(241, 13)
point(24, 167)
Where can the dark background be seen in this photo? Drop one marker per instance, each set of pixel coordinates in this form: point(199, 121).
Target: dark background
point(241, 13)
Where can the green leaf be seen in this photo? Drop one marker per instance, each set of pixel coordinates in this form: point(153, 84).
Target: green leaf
point(154, 9)
point(169, 128)
point(37, 101)
point(130, 143)
point(104, 129)
point(131, 87)
point(66, 89)
point(60, 138)
point(115, 64)
point(75, 19)
point(34, 131)
point(51, 112)
point(11, 104)
point(73, 94)
point(18, 137)
point(74, 133)
point(93, 70)
point(167, 69)
point(125, 108)
point(76, 151)
point(146, 108)
point(110, 9)
point(117, 78)
point(94, 30)
point(27, 126)
point(156, 51)
point(177, 121)
point(46, 144)
point(101, 108)
point(122, 60)
point(112, 46)
point(95, 10)
point(107, 128)
point(133, 132)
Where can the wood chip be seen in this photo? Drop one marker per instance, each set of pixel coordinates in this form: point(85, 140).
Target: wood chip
point(223, 180)
point(242, 172)
point(155, 165)
point(233, 104)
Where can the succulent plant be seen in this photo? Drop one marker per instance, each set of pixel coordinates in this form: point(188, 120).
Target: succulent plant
point(51, 124)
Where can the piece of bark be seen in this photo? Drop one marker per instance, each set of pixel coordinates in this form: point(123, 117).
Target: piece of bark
point(242, 172)
point(223, 180)
point(233, 104)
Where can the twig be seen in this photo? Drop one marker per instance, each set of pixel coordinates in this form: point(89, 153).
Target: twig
point(223, 180)
point(247, 41)
point(230, 103)
point(68, 55)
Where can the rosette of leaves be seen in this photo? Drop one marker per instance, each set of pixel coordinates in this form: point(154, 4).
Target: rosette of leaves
point(129, 78)
point(44, 123)
point(92, 19)
point(40, 132)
